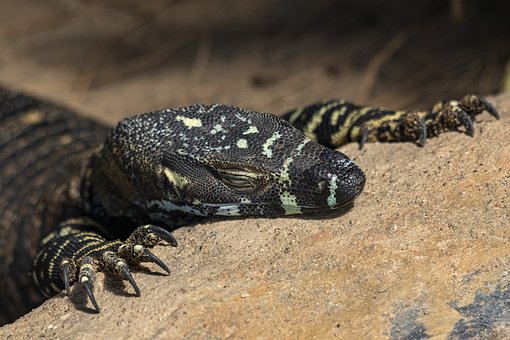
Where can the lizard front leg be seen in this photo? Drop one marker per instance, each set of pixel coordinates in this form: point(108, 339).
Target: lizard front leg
point(76, 250)
point(336, 122)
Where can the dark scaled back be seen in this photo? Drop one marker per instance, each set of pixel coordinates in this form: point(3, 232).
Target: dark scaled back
point(220, 160)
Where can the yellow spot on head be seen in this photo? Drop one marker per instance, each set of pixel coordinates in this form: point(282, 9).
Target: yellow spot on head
point(251, 129)
point(189, 122)
point(176, 179)
point(242, 143)
point(266, 148)
point(216, 128)
point(284, 174)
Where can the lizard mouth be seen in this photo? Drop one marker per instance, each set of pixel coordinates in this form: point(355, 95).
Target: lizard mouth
point(236, 209)
point(326, 208)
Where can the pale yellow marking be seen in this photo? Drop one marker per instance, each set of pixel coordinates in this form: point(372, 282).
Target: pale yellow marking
point(251, 129)
point(89, 265)
point(98, 249)
point(289, 203)
point(332, 192)
point(50, 267)
point(302, 145)
point(266, 148)
point(341, 135)
point(91, 238)
point(34, 276)
point(216, 128)
point(47, 238)
point(228, 210)
point(32, 117)
point(284, 175)
point(295, 115)
point(176, 179)
point(65, 140)
point(242, 143)
point(337, 114)
point(189, 122)
point(355, 131)
point(60, 249)
point(120, 264)
point(54, 286)
point(316, 120)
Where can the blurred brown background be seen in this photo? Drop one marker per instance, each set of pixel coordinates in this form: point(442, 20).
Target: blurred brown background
point(114, 58)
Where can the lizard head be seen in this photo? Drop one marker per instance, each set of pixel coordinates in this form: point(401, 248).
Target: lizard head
point(221, 160)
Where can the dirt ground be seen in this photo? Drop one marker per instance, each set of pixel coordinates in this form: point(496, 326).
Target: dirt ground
point(423, 252)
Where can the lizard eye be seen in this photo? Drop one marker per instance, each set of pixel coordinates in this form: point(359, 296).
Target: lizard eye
point(239, 179)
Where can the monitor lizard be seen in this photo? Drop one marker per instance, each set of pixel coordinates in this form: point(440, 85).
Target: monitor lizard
point(78, 197)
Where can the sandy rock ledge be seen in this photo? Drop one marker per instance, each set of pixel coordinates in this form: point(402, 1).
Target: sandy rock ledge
point(424, 252)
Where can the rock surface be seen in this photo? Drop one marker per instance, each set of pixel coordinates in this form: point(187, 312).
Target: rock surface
point(424, 252)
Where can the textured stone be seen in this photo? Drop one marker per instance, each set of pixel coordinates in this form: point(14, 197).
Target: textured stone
point(424, 252)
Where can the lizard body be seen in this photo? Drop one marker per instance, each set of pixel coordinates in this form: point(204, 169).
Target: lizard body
point(72, 188)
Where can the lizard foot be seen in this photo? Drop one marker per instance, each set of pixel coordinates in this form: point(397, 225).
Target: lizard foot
point(417, 126)
point(74, 254)
point(456, 115)
point(113, 257)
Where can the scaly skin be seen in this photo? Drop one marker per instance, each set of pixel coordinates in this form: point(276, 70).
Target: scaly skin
point(71, 192)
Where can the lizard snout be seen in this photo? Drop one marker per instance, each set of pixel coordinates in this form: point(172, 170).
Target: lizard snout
point(338, 178)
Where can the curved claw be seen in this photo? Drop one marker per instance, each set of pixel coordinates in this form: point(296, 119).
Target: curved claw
point(489, 108)
point(466, 121)
point(423, 133)
point(129, 277)
point(89, 289)
point(364, 137)
point(164, 235)
point(153, 258)
point(65, 276)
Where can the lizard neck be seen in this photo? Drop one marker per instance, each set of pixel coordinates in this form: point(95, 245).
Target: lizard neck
point(105, 193)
